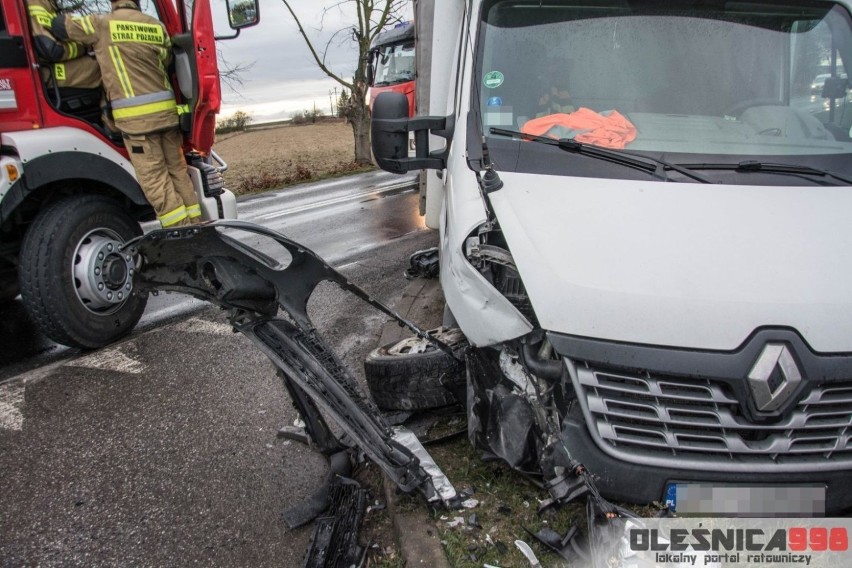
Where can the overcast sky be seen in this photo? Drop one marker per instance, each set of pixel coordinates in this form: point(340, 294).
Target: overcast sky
point(284, 77)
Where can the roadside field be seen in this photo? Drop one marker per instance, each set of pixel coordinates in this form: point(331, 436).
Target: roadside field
point(270, 158)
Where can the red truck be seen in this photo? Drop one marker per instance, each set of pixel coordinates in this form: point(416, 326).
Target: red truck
point(392, 65)
point(69, 197)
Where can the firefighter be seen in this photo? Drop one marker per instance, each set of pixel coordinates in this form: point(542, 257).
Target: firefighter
point(133, 50)
point(65, 64)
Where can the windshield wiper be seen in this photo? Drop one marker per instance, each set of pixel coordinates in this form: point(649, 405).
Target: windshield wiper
point(615, 156)
point(771, 168)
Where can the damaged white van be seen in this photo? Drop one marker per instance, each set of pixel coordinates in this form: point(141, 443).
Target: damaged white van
point(644, 212)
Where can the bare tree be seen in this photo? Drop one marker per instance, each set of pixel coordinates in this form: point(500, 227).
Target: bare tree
point(232, 74)
point(372, 17)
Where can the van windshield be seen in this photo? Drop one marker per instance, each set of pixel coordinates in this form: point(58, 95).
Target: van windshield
point(709, 78)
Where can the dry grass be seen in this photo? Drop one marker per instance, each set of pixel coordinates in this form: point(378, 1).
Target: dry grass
point(274, 157)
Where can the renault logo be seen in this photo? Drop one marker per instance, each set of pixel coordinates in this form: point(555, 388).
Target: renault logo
point(774, 377)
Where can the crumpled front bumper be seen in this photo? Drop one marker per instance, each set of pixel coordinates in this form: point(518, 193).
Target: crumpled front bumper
point(207, 263)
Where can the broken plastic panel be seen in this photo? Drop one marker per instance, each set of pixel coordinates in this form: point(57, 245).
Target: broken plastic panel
point(510, 402)
point(204, 262)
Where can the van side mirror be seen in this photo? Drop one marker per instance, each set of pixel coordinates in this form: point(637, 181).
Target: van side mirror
point(242, 13)
point(389, 132)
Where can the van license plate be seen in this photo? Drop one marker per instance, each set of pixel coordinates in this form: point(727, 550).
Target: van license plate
point(745, 501)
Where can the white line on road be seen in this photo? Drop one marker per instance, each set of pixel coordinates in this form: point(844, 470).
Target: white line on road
point(12, 405)
point(198, 325)
point(114, 359)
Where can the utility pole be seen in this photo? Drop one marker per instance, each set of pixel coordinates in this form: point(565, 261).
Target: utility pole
point(334, 114)
point(330, 102)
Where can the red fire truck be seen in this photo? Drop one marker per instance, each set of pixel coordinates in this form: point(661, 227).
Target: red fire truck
point(392, 63)
point(69, 197)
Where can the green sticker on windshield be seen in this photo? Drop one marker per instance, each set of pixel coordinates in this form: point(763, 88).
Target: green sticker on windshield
point(493, 79)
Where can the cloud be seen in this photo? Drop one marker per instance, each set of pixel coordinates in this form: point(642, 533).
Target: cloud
point(284, 76)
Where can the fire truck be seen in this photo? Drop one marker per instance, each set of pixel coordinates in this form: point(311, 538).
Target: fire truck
point(69, 197)
point(392, 63)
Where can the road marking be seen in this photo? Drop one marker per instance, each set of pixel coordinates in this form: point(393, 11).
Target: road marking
point(198, 325)
point(114, 359)
point(12, 406)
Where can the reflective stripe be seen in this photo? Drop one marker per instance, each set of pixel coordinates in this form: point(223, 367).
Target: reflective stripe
point(164, 55)
point(85, 23)
point(172, 217)
point(121, 71)
point(144, 99)
point(193, 211)
point(142, 110)
point(42, 15)
point(72, 50)
point(40, 10)
point(182, 109)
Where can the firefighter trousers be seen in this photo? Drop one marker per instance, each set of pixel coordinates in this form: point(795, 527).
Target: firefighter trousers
point(161, 170)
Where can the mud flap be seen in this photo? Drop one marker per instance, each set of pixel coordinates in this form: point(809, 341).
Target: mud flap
point(206, 263)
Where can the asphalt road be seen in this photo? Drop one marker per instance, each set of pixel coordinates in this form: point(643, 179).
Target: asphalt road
point(161, 450)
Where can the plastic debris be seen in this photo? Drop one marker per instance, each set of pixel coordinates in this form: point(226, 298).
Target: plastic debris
point(456, 522)
point(473, 521)
point(528, 553)
point(470, 503)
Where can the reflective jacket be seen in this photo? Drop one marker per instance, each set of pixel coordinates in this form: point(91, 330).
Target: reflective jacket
point(133, 50)
point(66, 62)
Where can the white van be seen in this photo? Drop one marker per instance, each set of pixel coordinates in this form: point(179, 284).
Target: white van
point(644, 217)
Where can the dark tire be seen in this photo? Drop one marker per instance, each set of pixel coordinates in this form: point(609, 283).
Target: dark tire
point(412, 374)
point(74, 284)
point(9, 288)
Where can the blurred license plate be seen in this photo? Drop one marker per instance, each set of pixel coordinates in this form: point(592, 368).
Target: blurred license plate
point(746, 501)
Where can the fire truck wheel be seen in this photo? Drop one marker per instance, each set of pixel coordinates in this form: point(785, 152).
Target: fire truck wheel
point(9, 288)
point(75, 283)
point(412, 374)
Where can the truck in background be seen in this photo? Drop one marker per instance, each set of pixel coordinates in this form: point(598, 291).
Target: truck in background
point(68, 193)
point(652, 279)
point(391, 66)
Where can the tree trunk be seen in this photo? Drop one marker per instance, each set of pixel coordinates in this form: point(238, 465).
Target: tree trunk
point(359, 118)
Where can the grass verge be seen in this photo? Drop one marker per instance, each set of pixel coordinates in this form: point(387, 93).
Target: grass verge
point(267, 179)
point(508, 502)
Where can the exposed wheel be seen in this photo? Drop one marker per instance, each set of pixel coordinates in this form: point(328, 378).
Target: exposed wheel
point(412, 374)
point(75, 284)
